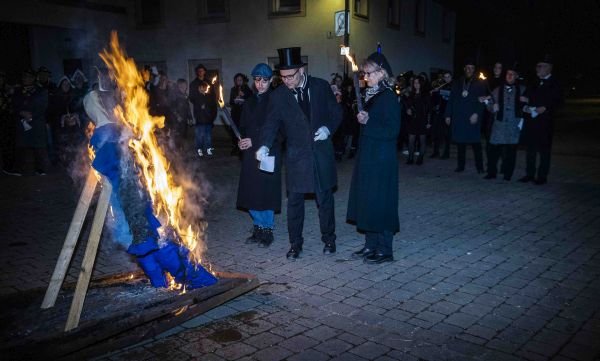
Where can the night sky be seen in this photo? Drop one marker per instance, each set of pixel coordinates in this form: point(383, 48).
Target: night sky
point(523, 30)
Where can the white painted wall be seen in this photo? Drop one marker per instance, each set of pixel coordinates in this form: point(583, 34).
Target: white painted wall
point(248, 38)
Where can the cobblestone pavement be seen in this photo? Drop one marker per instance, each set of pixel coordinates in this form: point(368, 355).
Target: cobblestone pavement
point(484, 270)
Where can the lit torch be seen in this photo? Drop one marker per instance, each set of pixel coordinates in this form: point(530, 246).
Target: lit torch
point(356, 84)
point(481, 76)
point(227, 118)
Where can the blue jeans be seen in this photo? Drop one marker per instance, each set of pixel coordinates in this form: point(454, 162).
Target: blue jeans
point(203, 136)
point(265, 219)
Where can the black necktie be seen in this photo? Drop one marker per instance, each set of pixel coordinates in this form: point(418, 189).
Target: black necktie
point(302, 96)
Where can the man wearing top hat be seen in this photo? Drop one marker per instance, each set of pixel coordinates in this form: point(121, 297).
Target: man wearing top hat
point(538, 129)
point(464, 115)
point(306, 112)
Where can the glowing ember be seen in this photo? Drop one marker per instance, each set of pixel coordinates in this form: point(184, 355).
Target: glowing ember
point(354, 66)
point(481, 76)
point(167, 197)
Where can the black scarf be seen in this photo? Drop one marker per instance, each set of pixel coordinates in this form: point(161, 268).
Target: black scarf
point(518, 106)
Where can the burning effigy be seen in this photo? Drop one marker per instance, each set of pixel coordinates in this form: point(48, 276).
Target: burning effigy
point(147, 204)
point(153, 214)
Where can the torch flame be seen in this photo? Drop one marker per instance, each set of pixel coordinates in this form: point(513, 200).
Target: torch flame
point(220, 100)
point(481, 76)
point(354, 66)
point(167, 197)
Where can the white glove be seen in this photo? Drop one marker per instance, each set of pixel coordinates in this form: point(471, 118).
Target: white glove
point(533, 112)
point(261, 153)
point(322, 133)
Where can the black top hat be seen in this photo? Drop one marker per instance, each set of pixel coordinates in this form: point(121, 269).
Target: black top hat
point(470, 61)
point(514, 66)
point(43, 69)
point(29, 72)
point(382, 62)
point(546, 58)
point(289, 58)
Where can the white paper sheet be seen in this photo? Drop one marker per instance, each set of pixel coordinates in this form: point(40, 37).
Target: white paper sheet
point(267, 164)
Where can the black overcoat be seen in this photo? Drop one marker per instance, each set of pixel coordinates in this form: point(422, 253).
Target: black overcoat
point(310, 165)
point(460, 109)
point(258, 190)
point(538, 131)
point(36, 102)
point(373, 198)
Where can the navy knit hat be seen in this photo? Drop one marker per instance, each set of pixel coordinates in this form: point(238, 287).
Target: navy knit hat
point(262, 70)
point(382, 62)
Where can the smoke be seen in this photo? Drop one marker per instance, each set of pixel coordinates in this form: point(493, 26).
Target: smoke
point(189, 176)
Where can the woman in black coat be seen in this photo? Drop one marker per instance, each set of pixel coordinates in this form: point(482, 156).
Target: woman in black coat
point(238, 95)
point(259, 192)
point(418, 107)
point(373, 200)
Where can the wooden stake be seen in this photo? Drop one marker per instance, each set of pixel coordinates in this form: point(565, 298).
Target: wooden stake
point(62, 265)
point(89, 258)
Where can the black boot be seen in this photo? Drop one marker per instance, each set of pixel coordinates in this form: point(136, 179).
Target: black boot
point(266, 237)
point(411, 159)
point(435, 154)
point(420, 159)
point(254, 237)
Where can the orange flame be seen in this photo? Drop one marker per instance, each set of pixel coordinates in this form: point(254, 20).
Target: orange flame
point(354, 66)
point(220, 100)
point(167, 197)
point(482, 77)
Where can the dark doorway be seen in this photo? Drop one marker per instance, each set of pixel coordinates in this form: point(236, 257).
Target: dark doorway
point(14, 40)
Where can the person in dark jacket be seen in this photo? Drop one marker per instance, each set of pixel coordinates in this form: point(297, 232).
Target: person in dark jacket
point(204, 113)
point(440, 131)
point(542, 100)
point(507, 108)
point(7, 128)
point(201, 76)
point(30, 103)
point(65, 123)
point(417, 107)
point(373, 198)
point(259, 192)
point(464, 113)
point(182, 115)
point(238, 95)
point(348, 130)
point(306, 112)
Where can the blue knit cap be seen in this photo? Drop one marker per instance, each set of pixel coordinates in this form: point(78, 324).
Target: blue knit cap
point(262, 70)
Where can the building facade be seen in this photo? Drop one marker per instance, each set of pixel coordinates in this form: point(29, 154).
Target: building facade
point(228, 36)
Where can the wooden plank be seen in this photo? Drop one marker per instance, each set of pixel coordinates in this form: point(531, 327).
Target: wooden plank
point(62, 265)
point(159, 321)
point(97, 337)
point(89, 258)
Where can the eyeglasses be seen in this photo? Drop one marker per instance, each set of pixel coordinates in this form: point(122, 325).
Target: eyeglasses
point(290, 77)
point(260, 79)
point(368, 73)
